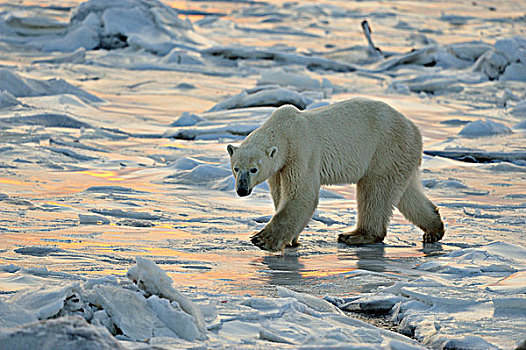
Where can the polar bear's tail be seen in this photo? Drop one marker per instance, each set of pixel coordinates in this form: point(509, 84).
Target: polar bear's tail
point(418, 209)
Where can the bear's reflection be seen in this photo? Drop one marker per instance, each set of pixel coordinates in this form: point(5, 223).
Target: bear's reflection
point(284, 270)
point(370, 257)
point(290, 269)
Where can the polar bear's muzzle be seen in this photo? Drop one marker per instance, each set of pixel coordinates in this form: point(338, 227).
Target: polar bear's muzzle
point(243, 184)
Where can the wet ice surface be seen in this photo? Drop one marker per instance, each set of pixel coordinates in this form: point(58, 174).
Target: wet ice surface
point(113, 139)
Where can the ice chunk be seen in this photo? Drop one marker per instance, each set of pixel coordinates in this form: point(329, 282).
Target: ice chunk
point(77, 56)
point(469, 51)
point(435, 85)
point(84, 36)
point(141, 24)
point(149, 277)
point(7, 99)
point(71, 332)
point(202, 173)
point(373, 304)
point(26, 87)
point(504, 166)
point(449, 183)
point(44, 303)
point(274, 97)
point(481, 128)
point(182, 57)
point(14, 315)
point(515, 71)
point(513, 48)
point(46, 119)
point(212, 132)
point(129, 311)
point(93, 220)
point(520, 109)
point(187, 119)
point(28, 26)
point(312, 302)
point(491, 64)
point(282, 78)
point(467, 342)
point(177, 321)
point(101, 318)
point(185, 163)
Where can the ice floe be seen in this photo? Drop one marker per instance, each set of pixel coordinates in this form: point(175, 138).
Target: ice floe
point(481, 128)
point(151, 311)
point(474, 287)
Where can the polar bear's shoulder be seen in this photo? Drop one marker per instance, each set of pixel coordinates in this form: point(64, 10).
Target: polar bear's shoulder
point(285, 111)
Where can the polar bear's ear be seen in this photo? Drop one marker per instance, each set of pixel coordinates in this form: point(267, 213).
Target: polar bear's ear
point(231, 149)
point(272, 151)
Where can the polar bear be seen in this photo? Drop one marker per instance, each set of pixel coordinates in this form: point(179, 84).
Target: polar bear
point(358, 141)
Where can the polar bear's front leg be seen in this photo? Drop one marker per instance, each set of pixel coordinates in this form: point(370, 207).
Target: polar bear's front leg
point(291, 218)
point(274, 182)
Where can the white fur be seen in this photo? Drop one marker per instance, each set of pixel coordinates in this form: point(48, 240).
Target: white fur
point(356, 141)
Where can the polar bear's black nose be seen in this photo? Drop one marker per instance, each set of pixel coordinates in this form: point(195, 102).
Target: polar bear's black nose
point(243, 192)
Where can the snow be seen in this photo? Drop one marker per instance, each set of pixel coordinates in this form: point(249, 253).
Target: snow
point(119, 225)
point(480, 128)
point(268, 97)
point(19, 86)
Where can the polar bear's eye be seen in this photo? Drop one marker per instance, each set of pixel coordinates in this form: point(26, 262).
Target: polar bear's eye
point(254, 170)
point(236, 170)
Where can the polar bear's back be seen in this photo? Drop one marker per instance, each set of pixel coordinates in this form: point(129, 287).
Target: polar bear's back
point(356, 133)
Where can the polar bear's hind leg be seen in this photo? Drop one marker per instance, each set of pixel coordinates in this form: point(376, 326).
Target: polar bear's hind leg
point(418, 209)
point(376, 197)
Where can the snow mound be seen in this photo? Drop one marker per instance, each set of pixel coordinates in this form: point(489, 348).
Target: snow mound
point(481, 128)
point(7, 99)
point(187, 119)
point(282, 78)
point(268, 97)
point(140, 24)
point(46, 119)
point(202, 174)
point(150, 278)
point(19, 86)
point(520, 109)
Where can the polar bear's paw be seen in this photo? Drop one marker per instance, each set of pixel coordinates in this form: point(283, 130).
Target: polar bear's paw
point(358, 237)
point(266, 240)
point(433, 236)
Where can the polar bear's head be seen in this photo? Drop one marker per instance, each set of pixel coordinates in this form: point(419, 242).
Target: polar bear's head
point(251, 166)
